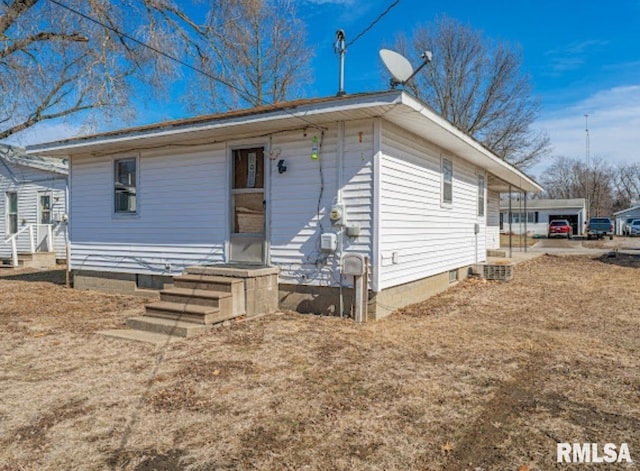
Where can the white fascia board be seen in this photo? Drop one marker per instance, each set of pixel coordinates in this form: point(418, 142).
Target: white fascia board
point(299, 113)
point(633, 208)
point(490, 161)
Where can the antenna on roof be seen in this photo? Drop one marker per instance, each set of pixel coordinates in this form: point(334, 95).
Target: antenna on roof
point(340, 49)
point(400, 68)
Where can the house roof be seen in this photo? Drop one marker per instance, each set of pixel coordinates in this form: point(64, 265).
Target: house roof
point(395, 106)
point(628, 210)
point(17, 156)
point(538, 204)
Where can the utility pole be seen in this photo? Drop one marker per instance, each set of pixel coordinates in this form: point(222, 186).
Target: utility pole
point(588, 161)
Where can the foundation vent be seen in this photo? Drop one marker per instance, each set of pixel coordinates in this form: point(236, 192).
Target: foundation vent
point(497, 271)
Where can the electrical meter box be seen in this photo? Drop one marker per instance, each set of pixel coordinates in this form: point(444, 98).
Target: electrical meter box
point(329, 242)
point(353, 264)
point(338, 215)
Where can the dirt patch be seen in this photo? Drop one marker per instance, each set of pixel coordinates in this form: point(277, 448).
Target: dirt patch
point(485, 376)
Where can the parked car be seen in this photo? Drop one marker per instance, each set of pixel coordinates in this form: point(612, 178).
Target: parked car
point(634, 228)
point(599, 228)
point(560, 227)
point(626, 226)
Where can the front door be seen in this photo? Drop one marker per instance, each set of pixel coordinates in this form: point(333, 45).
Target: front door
point(247, 238)
point(43, 232)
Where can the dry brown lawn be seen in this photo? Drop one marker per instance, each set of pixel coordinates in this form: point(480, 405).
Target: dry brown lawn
point(486, 376)
point(516, 241)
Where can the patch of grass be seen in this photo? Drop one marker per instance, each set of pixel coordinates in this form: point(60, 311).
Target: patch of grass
point(482, 376)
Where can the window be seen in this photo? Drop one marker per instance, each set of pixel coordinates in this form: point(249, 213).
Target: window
point(517, 218)
point(45, 209)
point(12, 212)
point(480, 195)
point(125, 186)
point(447, 181)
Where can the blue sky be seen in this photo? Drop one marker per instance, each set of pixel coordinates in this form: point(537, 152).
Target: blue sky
point(584, 58)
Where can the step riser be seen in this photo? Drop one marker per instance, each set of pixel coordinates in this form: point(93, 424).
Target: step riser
point(178, 331)
point(190, 300)
point(205, 319)
point(178, 316)
point(222, 304)
point(206, 285)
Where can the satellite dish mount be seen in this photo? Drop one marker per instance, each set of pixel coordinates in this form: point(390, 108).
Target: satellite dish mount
point(400, 68)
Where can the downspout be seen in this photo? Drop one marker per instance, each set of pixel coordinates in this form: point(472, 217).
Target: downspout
point(376, 264)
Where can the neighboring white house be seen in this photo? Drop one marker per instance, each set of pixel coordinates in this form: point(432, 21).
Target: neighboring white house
point(539, 213)
point(630, 213)
point(296, 186)
point(32, 204)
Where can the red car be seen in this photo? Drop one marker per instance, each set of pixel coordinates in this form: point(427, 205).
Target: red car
point(560, 227)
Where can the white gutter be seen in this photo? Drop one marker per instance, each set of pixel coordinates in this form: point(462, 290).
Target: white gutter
point(298, 112)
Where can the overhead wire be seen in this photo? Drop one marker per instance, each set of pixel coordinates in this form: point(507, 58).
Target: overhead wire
point(243, 93)
point(373, 23)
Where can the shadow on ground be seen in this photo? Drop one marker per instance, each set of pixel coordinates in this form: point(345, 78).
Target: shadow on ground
point(48, 276)
point(621, 259)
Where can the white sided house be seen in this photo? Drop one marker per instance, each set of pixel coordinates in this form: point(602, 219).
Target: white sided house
point(534, 216)
point(626, 215)
point(33, 208)
point(327, 192)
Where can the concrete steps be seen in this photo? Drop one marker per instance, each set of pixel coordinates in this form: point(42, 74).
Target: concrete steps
point(191, 305)
point(31, 260)
point(201, 298)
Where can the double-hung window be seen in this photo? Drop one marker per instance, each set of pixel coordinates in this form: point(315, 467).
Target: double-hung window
point(447, 181)
point(125, 185)
point(12, 212)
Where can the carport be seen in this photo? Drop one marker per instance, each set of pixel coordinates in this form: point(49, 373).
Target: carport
point(533, 216)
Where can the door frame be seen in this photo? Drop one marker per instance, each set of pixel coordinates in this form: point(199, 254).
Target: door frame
point(41, 232)
point(249, 144)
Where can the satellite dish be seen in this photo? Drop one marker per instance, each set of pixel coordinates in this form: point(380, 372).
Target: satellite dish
point(399, 67)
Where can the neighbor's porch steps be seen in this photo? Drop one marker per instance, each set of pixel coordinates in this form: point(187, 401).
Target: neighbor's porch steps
point(32, 260)
point(193, 304)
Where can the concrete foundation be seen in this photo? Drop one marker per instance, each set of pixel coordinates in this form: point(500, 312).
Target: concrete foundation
point(263, 294)
point(123, 283)
point(326, 300)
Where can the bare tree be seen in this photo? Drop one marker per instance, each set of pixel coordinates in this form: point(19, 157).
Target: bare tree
point(627, 185)
point(58, 59)
point(64, 57)
point(258, 55)
point(571, 178)
point(479, 86)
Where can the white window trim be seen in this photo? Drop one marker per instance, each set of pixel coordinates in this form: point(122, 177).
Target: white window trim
point(42, 193)
point(122, 215)
point(7, 212)
point(443, 203)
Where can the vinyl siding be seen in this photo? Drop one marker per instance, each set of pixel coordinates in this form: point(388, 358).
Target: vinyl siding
point(311, 185)
point(182, 200)
point(182, 217)
point(419, 236)
point(31, 183)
